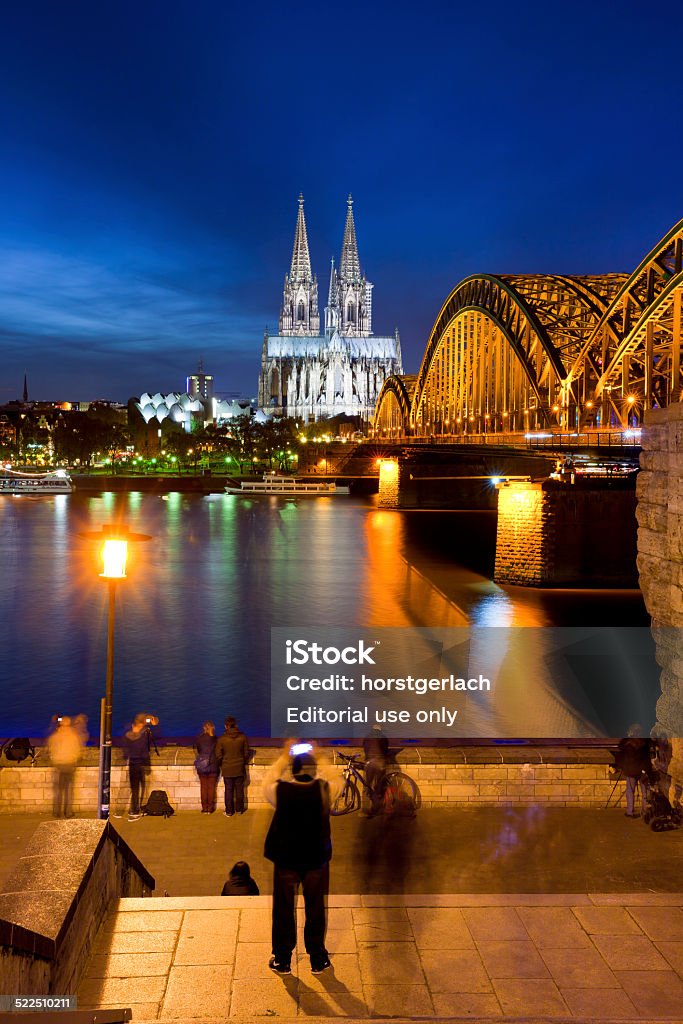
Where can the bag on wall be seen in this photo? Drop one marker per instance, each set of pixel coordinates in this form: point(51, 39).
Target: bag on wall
point(19, 749)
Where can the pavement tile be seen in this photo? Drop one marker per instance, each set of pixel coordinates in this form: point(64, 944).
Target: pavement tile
point(522, 997)
point(658, 923)
point(255, 925)
point(599, 1002)
point(196, 992)
point(212, 922)
point(637, 899)
point(673, 951)
point(338, 918)
point(388, 963)
point(442, 928)
point(142, 921)
point(344, 974)
point(512, 958)
point(578, 968)
point(121, 990)
point(140, 1011)
point(331, 1003)
point(494, 923)
point(553, 927)
point(252, 959)
point(398, 1000)
point(204, 948)
point(128, 965)
point(622, 953)
point(388, 924)
point(657, 993)
point(454, 970)
point(274, 997)
point(465, 1004)
point(606, 921)
point(135, 942)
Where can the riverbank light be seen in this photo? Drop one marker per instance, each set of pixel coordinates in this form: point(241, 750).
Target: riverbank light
point(113, 555)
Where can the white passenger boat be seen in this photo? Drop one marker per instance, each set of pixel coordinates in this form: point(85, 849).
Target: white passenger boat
point(273, 484)
point(57, 481)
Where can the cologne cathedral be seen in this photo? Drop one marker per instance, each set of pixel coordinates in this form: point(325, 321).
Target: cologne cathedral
point(307, 373)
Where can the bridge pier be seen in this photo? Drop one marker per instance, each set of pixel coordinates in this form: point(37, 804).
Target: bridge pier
point(551, 533)
point(660, 560)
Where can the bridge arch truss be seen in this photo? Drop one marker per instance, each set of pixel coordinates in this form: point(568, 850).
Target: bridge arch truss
point(511, 353)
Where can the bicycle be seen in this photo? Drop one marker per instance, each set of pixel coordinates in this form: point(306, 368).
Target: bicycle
point(398, 792)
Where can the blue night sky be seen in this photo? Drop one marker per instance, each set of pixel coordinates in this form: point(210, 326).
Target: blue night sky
point(153, 153)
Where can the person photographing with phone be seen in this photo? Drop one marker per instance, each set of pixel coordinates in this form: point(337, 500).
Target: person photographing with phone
point(300, 785)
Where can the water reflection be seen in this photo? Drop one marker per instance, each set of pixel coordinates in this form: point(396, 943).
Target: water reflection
point(194, 615)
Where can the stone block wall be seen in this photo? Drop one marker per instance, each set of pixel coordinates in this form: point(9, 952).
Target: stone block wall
point(55, 899)
point(660, 553)
point(583, 783)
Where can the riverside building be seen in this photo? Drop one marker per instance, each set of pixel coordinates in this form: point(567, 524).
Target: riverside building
point(308, 373)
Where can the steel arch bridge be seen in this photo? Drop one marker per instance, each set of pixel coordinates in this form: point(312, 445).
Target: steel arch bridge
point(512, 353)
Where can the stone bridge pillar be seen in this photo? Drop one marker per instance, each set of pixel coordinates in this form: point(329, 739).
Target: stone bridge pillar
point(660, 558)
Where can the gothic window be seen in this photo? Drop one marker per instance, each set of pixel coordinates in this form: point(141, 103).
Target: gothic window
point(350, 313)
point(301, 315)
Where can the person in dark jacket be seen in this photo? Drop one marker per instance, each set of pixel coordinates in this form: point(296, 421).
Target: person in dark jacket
point(634, 758)
point(300, 846)
point(232, 753)
point(136, 750)
point(206, 766)
point(240, 882)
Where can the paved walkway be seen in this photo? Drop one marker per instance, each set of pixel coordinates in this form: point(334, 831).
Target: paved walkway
point(503, 956)
point(444, 850)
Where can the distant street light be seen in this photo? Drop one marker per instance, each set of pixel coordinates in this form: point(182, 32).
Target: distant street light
point(114, 554)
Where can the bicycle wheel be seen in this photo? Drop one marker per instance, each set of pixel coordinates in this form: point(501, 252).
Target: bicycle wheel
point(348, 800)
point(401, 795)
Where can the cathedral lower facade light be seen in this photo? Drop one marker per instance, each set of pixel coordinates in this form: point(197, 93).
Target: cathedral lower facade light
point(311, 374)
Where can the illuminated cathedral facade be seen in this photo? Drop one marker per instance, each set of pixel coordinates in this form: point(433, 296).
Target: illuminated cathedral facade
point(310, 374)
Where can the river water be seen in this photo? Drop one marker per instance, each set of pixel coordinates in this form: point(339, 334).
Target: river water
point(193, 618)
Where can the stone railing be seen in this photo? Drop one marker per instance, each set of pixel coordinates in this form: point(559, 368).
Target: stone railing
point(464, 775)
point(54, 901)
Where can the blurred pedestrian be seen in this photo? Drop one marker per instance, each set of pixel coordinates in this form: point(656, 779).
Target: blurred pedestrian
point(136, 750)
point(206, 766)
point(300, 787)
point(240, 882)
point(232, 753)
point(634, 759)
point(376, 749)
point(80, 724)
point(64, 747)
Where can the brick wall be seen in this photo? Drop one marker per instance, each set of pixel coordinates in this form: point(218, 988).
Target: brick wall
point(26, 788)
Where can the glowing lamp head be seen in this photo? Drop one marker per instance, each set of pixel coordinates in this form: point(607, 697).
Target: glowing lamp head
point(114, 555)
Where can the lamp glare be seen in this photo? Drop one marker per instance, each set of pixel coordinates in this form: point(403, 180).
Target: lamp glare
point(114, 554)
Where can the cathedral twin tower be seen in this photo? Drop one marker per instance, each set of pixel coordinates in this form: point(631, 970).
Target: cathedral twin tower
point(309, 375)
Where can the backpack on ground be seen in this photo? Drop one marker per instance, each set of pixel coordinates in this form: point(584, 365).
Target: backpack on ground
point(157, 805)
point(18, 749)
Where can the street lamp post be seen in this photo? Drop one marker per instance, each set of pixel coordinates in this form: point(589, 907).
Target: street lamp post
point(114, 554)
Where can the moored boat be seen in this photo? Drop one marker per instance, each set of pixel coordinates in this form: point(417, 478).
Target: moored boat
point(273, 484)
point(57, 481)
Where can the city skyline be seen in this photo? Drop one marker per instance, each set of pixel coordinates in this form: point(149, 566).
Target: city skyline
point(153, 162)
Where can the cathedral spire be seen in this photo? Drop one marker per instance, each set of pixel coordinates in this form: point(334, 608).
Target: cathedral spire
point(332, 294)
point(349, 266)
point(301, 261)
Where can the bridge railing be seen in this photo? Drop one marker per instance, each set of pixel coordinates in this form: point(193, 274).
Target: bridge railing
point(533, 440)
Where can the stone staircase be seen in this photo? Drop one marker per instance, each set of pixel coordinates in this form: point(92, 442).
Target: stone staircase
point(571, 957)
